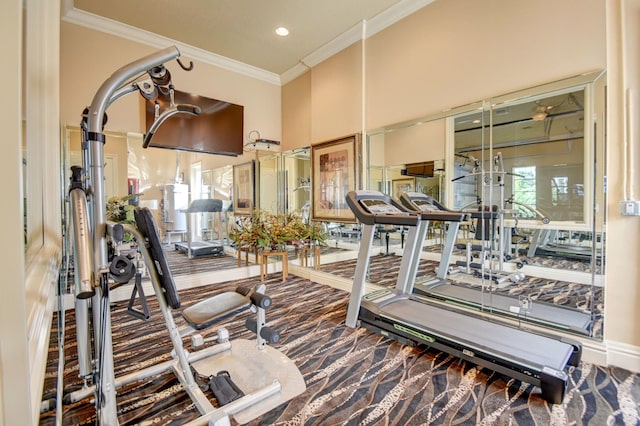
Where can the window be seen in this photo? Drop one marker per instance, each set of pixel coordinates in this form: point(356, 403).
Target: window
point(524, 189)
point(559, 190)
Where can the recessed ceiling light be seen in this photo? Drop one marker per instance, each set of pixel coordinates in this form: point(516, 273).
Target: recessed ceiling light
point(282, 31)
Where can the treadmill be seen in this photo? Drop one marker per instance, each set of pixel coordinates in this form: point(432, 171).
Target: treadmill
point(542, 244)
point(409, 319)
point(202, 248)
point(540, 313)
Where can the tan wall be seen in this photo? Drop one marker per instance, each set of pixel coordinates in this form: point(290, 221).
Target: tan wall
point(336, 95)
point(455, 52)
point(445, 55)
point(424, 142)
point(296, 113)
point(325, 103)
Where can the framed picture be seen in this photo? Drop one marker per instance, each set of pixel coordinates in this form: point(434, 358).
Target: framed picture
point(243, 188)
point(335, 170)
point(402, 185)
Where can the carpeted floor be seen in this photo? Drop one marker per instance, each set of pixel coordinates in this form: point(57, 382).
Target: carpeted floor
point(353, 377)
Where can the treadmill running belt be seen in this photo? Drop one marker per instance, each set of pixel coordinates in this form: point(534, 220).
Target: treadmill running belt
point(531, 349)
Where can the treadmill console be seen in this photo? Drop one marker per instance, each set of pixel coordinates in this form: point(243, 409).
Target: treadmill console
point(378, 206)
point(425, 206)
point(429, 207)
point(374, 207)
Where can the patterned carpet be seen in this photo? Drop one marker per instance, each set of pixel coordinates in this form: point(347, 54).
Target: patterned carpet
point(353, 377)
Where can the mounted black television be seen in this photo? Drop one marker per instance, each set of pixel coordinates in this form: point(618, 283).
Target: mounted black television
point(218, 129)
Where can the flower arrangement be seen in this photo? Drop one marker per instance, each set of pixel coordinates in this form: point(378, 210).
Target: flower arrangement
point(268, 230)
point(120, 211)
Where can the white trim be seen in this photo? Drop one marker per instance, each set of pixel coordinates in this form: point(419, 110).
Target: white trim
point(376, 24)
point(623, 355)
point(390, 16)
point(336, 45)
point(118, 29)
point(41, 279)
point(294, 72)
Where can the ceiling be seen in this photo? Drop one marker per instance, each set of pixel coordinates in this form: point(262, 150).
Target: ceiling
point(240, 34)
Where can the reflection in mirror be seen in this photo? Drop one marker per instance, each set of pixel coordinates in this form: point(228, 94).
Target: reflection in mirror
point(115, 155)
point(542, 146)
point(269, 199)
point(527, 168)
point(207, 184)
point(297, 178)
point(522, 161)
point(221, 189)
point(222, 183)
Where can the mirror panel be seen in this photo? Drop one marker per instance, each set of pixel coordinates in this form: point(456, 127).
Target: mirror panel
point(534, 160)
point(268, 179)
point(297, 177)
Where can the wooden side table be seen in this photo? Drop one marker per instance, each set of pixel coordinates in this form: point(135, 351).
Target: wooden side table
point(310, 250)
point(264, 263)
point(246, 250)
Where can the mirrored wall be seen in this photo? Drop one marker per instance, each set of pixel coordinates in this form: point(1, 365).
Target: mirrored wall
point(527, 168)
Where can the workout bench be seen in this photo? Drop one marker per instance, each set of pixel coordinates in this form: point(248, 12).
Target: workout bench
point(266, 376)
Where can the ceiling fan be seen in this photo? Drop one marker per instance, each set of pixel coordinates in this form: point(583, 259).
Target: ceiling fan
point(541, 112)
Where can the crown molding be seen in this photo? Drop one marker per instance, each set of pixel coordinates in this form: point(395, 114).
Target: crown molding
point(376, 24)
point(294, 72)
point(384, 19)
point(118, 29)
point(390, 16)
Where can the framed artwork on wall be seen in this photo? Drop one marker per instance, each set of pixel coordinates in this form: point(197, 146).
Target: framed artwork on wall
point(244, 188)
point(335, 170)
point(402, 185)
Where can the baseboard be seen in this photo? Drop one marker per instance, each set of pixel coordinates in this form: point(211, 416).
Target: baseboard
point(623, 355)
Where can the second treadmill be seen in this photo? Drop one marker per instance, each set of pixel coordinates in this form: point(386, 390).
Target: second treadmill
point(409, 319)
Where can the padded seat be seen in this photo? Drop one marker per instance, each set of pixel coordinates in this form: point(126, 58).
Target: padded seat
point(207, 312)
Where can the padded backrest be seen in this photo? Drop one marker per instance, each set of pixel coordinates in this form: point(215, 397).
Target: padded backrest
point(147, 226)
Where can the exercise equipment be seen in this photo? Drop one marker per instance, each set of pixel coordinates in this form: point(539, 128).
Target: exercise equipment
point(547, 242)
point(146, 76)
point(521, 307)
point(495, 236)
point(400, 315)
point(203, 248)
point(268, 378)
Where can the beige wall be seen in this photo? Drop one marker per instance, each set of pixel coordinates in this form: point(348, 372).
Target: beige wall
point(296, 113)
point(324, 103)
point(448, 54)
point(424, 142)
point(455, 52)
point(336, 95)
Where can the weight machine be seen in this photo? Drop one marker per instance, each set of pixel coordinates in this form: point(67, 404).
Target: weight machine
point(97, 273)
point(490, 227)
